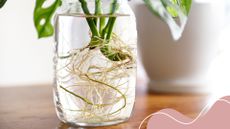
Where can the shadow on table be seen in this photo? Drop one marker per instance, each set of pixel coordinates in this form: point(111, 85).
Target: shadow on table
point(65, 126)
point(120, 126)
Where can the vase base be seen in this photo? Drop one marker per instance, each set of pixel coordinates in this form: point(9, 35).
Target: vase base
point(177, 87)
point(109, 123)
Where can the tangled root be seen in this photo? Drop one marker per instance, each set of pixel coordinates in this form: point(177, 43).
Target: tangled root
point(97, 80)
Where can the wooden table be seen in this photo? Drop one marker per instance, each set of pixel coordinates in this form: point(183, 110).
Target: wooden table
point(33, 108)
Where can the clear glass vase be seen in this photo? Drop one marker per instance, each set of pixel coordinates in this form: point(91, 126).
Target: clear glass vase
point(95, 73)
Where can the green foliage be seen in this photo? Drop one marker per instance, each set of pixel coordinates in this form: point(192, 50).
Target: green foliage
point(171, 6)
point(149, 4)
point(184, 5)
point(2, 2)
point(173, 12)
point(43, 17)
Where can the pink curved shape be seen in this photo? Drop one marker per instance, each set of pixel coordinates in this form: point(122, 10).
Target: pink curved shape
point(217, 117)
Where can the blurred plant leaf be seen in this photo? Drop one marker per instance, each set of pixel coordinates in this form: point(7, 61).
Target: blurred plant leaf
point(170, 6)
point(184, 5)
point(43, 16)
point(172, 12)
point(2, 2)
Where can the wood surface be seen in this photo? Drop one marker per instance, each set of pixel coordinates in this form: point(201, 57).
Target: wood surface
point(33, 108)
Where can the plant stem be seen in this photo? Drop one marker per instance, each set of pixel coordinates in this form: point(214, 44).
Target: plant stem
point(97, 10)
point(112, 21)
point(102, 24)
point(109, 27)
point(90, 21)
point(103, 33)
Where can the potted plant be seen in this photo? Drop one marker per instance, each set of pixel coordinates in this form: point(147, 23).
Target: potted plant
point(178, 65)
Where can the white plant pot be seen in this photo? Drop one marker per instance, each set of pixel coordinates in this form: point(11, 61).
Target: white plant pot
point(178, 66)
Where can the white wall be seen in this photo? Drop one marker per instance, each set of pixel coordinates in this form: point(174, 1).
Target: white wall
point(24, 60)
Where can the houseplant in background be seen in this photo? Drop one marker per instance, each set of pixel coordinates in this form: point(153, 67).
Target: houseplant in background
point(2, 2)
point(178, 65)
point(95, 59)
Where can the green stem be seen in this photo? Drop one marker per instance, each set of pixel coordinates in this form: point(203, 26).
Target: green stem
point(109, 27)
point(102, 24)
point(97, 10)
point(107, 34)
point(114, 7)
point(90, 21)
point(112, 21)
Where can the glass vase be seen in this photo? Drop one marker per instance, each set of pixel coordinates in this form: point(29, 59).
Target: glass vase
point(95, 75)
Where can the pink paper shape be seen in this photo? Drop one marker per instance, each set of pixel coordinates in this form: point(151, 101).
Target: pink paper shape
point(217, 117)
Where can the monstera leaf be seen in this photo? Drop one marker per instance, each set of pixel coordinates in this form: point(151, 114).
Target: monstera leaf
point(172, 12)
point(43, 17)
point(2, 2)
point(184, 6)
point(172, 6)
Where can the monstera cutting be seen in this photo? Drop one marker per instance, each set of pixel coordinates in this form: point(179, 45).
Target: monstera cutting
point(95, 55)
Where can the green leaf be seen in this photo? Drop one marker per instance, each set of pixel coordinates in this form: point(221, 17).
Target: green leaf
point(2, 2)
point(172, 12)
point(170, 5)
point(149, 4)
point(186, 4)
point(43, 16)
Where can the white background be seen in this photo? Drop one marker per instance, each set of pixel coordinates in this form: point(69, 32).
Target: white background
point(24, 59)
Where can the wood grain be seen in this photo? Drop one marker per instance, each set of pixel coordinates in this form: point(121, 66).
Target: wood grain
point(33, 108)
